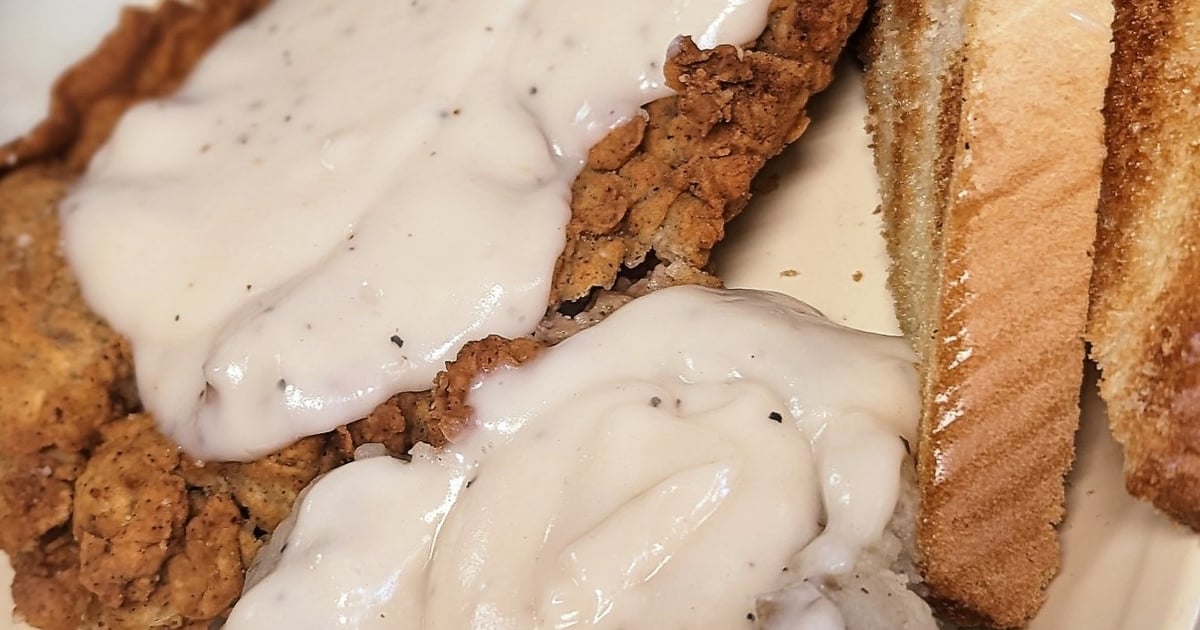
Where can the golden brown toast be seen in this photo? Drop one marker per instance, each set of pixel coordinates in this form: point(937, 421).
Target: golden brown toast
point(988, 140)
point(1145, 317)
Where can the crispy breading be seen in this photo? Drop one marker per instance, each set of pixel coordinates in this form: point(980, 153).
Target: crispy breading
point(158, 539)
point(129, 506)
point(664, 184)
point(266, 487)
point(64, 371)
point(449, 409)
point(46, 585)
point(121, 530)
point(115, 490)
point(206, 575)
point(36, 493)
point(389, 423)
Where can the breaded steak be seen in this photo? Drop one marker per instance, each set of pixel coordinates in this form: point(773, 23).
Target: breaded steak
point(109, 525)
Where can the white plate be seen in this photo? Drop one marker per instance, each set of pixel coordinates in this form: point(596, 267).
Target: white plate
point(1125, 567)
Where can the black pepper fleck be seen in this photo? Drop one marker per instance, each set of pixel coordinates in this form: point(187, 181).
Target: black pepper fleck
point(533, 90)
point(776, 416)
point(177, 318)
point(398, 341)
point(750, 616)
point(655, 401)
point(282, 385)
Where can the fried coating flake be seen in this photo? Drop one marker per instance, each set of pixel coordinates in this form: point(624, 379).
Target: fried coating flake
point(206, 575)
point(129, 507)
point(450, 411)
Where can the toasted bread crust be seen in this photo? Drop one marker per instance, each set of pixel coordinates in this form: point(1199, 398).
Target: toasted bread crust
point(1145, 318)
point(914, 89)
point(990, 217)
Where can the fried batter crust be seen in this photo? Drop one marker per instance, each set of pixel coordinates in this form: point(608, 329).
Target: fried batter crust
point(64, 370)
point(116, 527)
point(664, 184)
point(157, 540)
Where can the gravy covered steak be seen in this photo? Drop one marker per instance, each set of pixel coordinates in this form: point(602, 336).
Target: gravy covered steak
point(326, 209)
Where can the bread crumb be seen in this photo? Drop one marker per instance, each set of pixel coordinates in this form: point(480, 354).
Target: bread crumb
point(857, 276)
point(788, 273)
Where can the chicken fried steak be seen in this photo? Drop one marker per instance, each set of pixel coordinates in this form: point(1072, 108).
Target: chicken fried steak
point(109, 525)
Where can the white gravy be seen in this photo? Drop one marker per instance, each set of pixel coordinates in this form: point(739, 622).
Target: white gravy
point(344, 193)
point(657, 471)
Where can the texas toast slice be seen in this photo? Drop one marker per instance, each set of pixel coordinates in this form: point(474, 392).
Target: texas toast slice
point(1145, 316)
point(988, 142)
